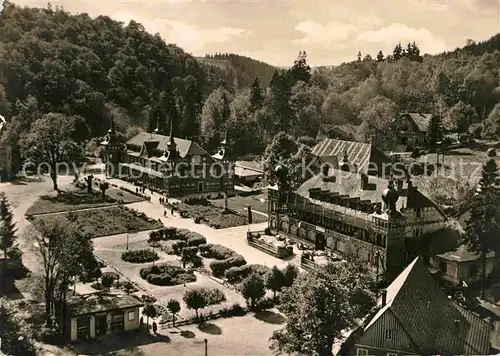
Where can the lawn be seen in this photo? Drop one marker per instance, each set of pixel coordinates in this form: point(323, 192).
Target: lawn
point(214, 215)
point(107, 221)
point(241, 204)
point(77, 199)
point(68, 200)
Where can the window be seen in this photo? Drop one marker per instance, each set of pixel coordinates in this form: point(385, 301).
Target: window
point(418, 212)
point(131, 315)
point(388, 334)
point(361, 352)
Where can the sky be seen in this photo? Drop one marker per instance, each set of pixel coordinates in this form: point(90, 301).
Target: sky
point(330, 31)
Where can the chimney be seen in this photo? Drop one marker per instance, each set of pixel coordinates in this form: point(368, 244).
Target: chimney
point(456, 327)
point(384, 297)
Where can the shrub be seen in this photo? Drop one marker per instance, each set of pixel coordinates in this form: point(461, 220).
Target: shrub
point(219, 267)
point(195, 239)
point(197, 262)
point(218, 252)
point(139, 256)
point(170, 233)
point(182, 234)
point(237, 309)
point(264, 304)
point(177, 246)
point(204, 248)
point(154, 236)
point(167, 275)
point(238, 274)
point(215, 296)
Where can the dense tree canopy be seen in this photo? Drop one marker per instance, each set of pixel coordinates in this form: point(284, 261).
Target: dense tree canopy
point(94, 68)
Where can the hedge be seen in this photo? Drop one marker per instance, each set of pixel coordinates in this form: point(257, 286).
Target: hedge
point(238, 274)
point(195, 239)
point(215, 251)
point(177, 246)
point(219, 267)
point(139, 256)
point(167, 275)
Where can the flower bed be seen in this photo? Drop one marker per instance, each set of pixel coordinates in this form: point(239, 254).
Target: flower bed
point(167, 275)
point(139, 256)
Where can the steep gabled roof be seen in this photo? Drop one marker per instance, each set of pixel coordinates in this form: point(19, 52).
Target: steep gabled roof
point(421, 120)
point(359, 153)
point(185, 147)
point(429, 317)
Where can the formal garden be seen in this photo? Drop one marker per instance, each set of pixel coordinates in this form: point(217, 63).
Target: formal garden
point(203, 211)
point(105, 221)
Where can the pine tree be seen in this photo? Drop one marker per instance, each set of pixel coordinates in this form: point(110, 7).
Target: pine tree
point(397, 54)
point(256, 98)
point(7, 233)
point(380, 56)
point(434, 131)
point(300, 70)
point(480, 236)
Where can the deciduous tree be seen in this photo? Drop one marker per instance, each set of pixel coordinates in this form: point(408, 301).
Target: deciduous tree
point(320, 305)
point(50, 143)
point(173, 307)
point(253, 289)
point(275, 280)
point(195, 299)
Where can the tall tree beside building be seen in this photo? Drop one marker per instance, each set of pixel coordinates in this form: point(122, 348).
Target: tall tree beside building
point(320, 305)
point(482, 227)
point(192, 106)
point(50, 142)
point(276, 112)
point(7, 234)
point(434, 131)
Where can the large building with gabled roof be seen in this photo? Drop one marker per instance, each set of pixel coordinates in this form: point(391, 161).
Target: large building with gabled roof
point(177, 167)
point(417, 318)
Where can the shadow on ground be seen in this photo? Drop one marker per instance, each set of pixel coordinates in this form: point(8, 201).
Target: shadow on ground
point(210, 328)
point(270, 317)
point(112, 345)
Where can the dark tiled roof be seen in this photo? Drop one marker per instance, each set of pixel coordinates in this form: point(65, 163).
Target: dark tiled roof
point(344, 131)
point(477, 341)
point(420, 120)
point(358, 152)
point(348, 183)
point(185, 147)
point(99, 302)
point(428, 316)
point(252, 165)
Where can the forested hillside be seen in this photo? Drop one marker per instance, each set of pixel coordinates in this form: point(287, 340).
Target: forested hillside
point(238, 71)
point(94, 69)
point(52, 61)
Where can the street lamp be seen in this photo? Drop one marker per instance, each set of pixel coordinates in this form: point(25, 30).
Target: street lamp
point(206, 347)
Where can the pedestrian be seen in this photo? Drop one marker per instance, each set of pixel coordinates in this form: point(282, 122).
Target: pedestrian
point(155, 327)
point(141, 321)
point(164, 213)
point(172, 211)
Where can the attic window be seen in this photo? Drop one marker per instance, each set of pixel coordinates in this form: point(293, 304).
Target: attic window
point(389, 334)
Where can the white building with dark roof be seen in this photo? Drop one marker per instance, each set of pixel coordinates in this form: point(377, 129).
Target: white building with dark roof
point(177, 167)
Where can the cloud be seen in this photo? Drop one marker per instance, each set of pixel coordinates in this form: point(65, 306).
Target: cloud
point(191, 38)
point(324, 35)
point(394, 33)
